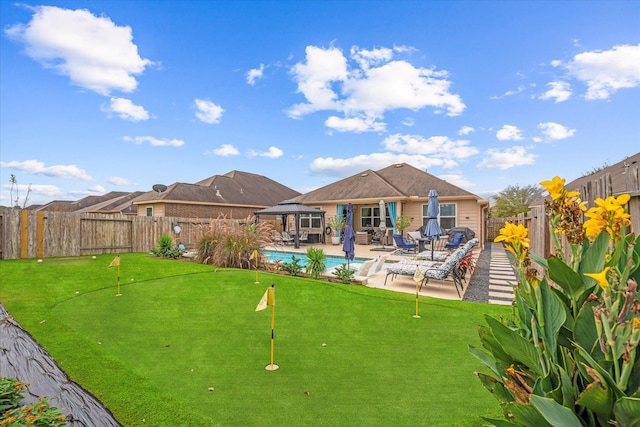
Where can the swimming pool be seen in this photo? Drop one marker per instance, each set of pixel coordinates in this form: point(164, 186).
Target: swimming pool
point(332, 261)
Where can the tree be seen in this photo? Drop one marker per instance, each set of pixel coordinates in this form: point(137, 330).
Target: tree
point(515, 199)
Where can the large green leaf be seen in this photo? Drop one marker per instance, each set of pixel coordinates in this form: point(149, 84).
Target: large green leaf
point(554, 316)
point(593, 257)
point(583, 356)
point(540, 260)
point(627, 411)
point(554, 413)
point(496, 388)
point(489, 342)
point(487, 360)
point(585, 332)
point(498, 423)
point(570, 281)
point(515, 345)
point(597, 397)
point(526, 415)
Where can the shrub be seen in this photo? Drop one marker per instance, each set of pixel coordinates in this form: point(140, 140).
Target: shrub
point(11, 391)
point(568, 356)
point(316, 265)
point(37, 414)
point(165, 247)
point(344, 274)
point(293, 268)
point(233, 246)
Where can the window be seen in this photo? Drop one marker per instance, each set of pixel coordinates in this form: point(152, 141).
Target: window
point(310, 220)
point(370, 217)
point(150, 211)
point(447, 217)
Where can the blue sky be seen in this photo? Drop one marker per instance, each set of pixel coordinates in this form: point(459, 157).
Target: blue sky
point(99, 96)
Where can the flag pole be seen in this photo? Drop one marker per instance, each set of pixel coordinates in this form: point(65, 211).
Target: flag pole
point(272, 366)
point(118, 294)
point(418, 277)
point(256, 255)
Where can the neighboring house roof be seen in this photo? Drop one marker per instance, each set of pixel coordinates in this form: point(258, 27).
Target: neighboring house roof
point(89, 204)
point(232, 189)
point(393, 182)
point(622, 176)
point(118, 204)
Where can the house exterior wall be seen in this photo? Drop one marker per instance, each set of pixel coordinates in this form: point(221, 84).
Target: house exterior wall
point(187, 210)
point(468, 212)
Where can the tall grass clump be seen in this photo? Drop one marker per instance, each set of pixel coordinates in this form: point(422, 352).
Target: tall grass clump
point(231, 244)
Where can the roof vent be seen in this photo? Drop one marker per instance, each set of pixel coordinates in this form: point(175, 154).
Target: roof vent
point(218, 193)
point(364, 174)
point(399, 165)
point(241, 191)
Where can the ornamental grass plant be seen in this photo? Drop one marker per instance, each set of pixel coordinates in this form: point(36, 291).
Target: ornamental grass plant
point(184, 345)
point(568, 355)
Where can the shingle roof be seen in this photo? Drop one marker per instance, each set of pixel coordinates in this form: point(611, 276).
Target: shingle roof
point(233, 188)
point(395, 181)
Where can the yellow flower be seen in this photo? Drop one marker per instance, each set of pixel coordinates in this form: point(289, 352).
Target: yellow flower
point(555, 187)
point(601, 278)
point(609, 215)
point(512, 232)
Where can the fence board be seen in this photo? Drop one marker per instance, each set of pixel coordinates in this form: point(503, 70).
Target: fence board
point(58, 234)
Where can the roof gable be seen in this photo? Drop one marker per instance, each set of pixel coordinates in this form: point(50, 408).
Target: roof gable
point(395, 181)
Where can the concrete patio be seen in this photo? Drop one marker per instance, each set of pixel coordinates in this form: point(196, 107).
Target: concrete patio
point(435, 288)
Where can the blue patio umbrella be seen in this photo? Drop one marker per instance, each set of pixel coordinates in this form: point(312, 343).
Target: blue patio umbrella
point(433, 230)
point(348, 246)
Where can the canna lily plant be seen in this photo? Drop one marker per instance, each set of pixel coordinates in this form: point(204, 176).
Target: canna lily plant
point(568, 354)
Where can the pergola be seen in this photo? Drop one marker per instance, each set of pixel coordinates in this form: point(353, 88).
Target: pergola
point(295, 208)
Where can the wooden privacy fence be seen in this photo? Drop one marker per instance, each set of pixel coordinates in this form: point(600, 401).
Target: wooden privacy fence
point(38, 234)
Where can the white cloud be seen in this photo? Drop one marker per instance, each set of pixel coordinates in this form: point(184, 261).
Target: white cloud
point(368, 85)
point(92, 51)
point(35, 190)
point(605, 72)
point(355, 124)
point(555, 131)
point(116, 180)
point(58, 171)
point(155, 142)
point(558, 91)
point(409, 122)
point(254, 74)
point(466, 130)
point(127, 110)
point(272, 153)
point(506, 159)
point(457, 179)
point(435, 146)
point(344, 167)
point(509, 133)
point(208, 112)
point(226, 150)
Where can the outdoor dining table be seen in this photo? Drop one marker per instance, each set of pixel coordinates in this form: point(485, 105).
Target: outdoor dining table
point(421, 243)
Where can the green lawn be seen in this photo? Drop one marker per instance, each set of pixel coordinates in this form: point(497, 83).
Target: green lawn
point(180, 328)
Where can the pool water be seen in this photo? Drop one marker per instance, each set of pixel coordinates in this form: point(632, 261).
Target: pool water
point(331, 261)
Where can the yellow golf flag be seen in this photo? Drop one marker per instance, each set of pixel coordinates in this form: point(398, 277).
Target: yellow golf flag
point(254, 255)
point(115, 262)
point(418, 276)
point(268, 298)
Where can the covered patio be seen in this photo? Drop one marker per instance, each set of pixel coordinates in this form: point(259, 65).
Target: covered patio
point(297, 209)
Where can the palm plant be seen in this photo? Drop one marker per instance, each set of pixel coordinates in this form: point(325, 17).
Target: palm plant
point(316, 265)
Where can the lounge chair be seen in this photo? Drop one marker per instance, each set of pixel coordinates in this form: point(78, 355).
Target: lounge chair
point(457, 240)
point(276, 237)
point(404, 246)
point(364, 271)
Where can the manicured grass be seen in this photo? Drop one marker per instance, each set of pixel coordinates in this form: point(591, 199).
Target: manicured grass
point(180, 328)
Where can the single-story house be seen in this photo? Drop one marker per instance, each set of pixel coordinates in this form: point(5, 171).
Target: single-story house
point(404, 189)
point(235, 195)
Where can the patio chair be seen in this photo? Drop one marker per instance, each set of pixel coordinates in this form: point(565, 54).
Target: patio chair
point(457, 240)
point(287, 238)
point(404, 246)
point(304, 236)
point(276, 237)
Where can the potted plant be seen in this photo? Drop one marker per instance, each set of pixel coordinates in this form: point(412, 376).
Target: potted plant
point(337, 224)
point(402, 223)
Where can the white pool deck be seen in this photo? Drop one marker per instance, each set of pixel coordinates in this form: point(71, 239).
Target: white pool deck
point(435, 288)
